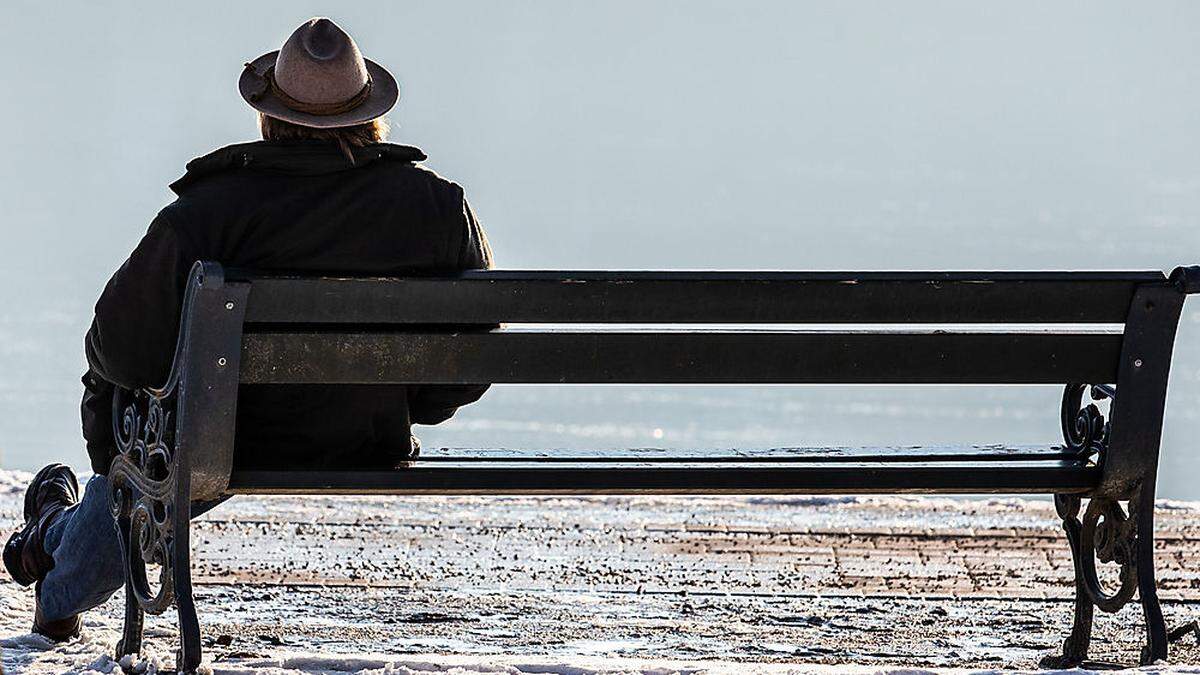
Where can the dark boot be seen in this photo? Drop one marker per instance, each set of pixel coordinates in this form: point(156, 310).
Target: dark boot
point(52, 491)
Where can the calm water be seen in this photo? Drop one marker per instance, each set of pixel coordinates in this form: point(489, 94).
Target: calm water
point(769, 135)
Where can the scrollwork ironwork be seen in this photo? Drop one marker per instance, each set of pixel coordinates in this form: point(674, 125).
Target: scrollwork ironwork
point(1110, 536)
point(1107, 533)
point(1085, 430)
point(1104, 533)
point(143, 491)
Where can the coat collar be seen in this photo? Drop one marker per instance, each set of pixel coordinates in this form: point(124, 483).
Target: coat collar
point(297, 158)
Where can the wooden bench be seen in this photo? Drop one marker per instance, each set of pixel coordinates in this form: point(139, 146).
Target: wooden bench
point(177, 442)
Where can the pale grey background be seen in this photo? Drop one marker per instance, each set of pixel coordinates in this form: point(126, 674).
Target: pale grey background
point(793, 135)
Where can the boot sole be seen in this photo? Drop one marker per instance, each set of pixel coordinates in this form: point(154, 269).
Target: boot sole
point(12, 558)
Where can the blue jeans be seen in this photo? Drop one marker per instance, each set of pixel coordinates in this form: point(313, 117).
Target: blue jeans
point(88, 565)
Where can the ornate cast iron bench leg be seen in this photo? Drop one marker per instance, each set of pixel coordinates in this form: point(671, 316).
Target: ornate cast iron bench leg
point(189, 656)
point(1156, 627)
point(1107, 533)
point(1075, 647)
point(131, 631)
point(150, 495)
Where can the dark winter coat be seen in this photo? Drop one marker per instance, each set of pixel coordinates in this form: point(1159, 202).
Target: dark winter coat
point(296, 206)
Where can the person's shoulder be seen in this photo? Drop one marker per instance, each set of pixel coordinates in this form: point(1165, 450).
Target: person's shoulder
point(218, 161)
point(409, 162)
point(186, 217)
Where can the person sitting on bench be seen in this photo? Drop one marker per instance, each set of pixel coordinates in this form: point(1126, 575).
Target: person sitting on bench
point(322, 192)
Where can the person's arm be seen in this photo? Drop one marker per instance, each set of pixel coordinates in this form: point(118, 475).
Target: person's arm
point(131, 342)
point(433, 404)
point(96, 414)
point(475, 253)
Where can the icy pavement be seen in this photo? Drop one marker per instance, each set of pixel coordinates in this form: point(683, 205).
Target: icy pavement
point(623, 585)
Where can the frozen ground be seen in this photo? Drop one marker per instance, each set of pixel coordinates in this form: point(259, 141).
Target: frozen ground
point(581, 586)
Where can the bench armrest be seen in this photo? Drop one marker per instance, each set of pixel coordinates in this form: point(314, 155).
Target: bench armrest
point(1187, 279)
point(181, 435)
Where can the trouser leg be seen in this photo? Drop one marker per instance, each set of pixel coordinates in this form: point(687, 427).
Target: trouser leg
point(88, 565)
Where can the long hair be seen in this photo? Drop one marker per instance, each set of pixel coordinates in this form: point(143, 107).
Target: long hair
point(347, 138)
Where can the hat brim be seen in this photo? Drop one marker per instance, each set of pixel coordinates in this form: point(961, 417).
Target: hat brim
point(384, 94)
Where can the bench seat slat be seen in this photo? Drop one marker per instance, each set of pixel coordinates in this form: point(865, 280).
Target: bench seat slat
point(540, 478)
point(948, 453)
point(685, 357)
point(701, 297)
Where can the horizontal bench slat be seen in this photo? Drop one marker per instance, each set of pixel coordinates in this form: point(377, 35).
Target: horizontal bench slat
point(774, 357)
point(531, 478)
point(701, 297)
point(947, 453)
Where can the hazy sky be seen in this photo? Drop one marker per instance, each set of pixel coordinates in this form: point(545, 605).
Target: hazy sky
point(650, 134)
point(801, 135)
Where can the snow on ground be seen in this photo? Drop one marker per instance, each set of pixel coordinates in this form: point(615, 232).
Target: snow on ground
point(623, 585)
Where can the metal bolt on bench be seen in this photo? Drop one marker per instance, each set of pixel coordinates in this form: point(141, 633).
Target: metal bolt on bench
point(177, 442)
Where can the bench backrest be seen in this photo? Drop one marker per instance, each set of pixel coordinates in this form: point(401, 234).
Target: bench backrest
point(293, 330)
point(418, 329)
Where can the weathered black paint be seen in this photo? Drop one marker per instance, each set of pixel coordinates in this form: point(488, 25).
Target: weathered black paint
point(693, 357)
point(701, 297)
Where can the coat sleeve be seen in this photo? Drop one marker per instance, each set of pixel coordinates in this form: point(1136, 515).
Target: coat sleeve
point(96, 413)
point(433, 404)
point(132, 338)
point(475, 252)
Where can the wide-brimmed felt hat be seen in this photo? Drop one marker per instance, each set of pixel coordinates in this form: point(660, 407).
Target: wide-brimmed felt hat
point(319, 79)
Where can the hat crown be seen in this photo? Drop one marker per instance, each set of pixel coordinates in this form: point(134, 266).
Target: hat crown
point(318, 79)
point(320, 64)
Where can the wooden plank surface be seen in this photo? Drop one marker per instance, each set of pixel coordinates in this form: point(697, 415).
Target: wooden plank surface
point(689, 357)
point(814, 454)
point(513, 296)
point(542, 478)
